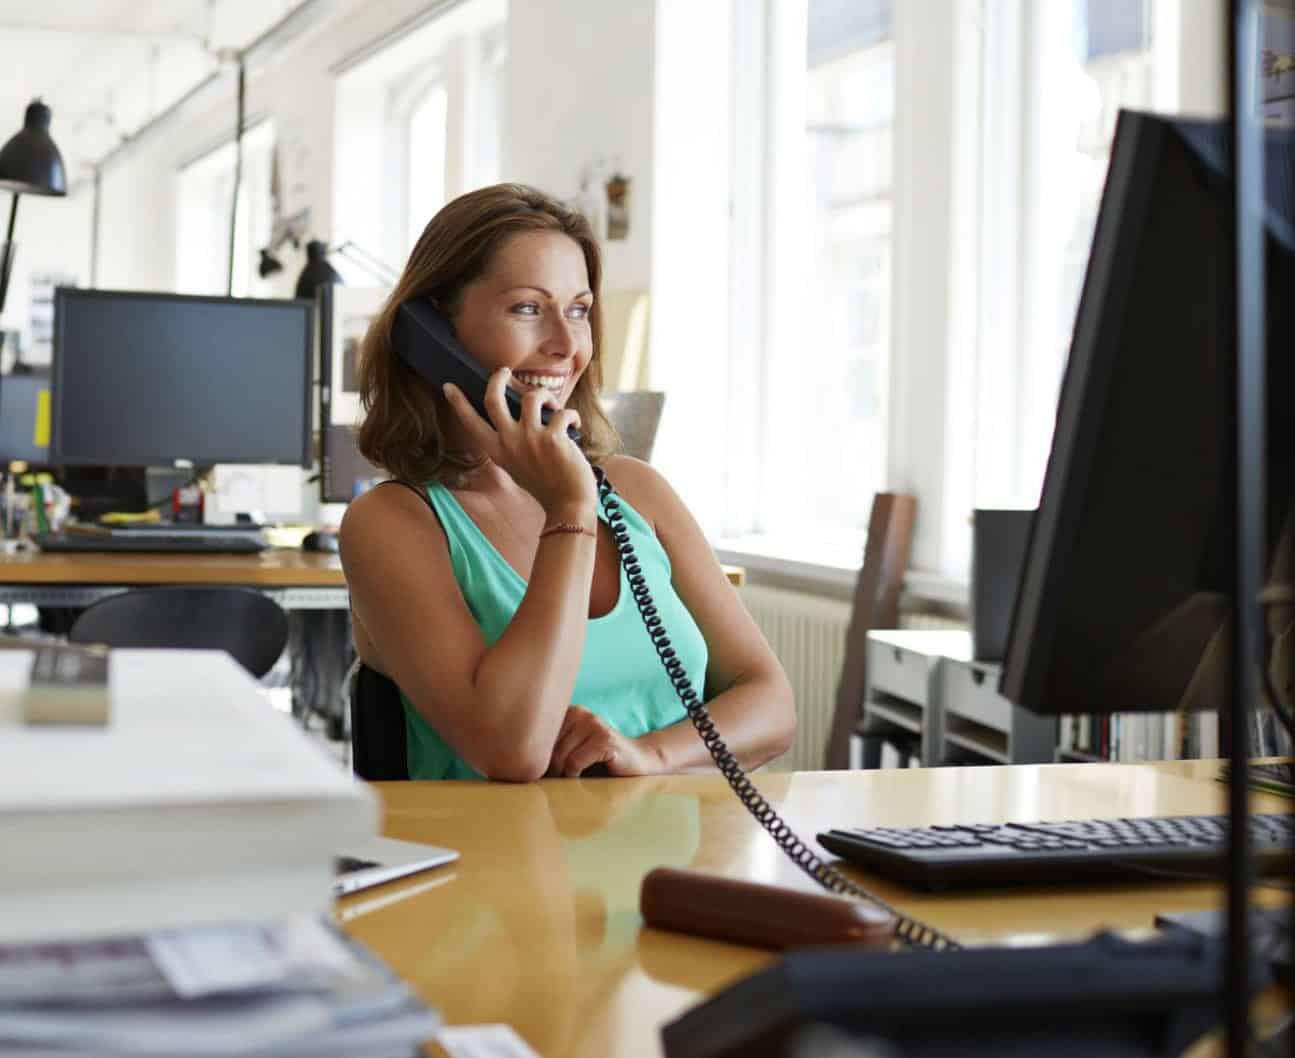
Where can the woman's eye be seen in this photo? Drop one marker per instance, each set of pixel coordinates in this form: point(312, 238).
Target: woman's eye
point(527, 308)
point(578, 312)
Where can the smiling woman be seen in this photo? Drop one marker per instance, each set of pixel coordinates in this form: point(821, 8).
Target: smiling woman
point(490, 589)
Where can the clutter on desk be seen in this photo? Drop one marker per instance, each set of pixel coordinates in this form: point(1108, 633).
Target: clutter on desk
point(291, 986)
point(197, 803)
point(34, 503)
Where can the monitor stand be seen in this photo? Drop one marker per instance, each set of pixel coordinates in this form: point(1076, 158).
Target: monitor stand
point(98, 490)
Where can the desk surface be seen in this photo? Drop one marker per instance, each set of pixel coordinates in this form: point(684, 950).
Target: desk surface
point(275, 568)
point(537, 924)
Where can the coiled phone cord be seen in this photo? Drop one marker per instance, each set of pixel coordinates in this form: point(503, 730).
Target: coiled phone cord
point(910, 932)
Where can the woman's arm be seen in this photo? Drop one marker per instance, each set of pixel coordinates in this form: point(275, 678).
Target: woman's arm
point(746, 691)
point(499, 707)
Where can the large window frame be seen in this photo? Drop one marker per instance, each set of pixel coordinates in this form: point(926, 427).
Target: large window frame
point(461, 54)
point(204, 197)
point(970, 414)
point(776, 239)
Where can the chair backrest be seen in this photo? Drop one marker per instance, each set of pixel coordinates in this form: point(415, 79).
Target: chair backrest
point(636, 415)
point(876, 605)
point(377, 727)
point(248, 625)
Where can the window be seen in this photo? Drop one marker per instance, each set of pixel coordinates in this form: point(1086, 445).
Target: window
point(418, 119)
point(204, 198)
point(425, 174)
point(471, 72)
point(826, 99)
point(1080, 63)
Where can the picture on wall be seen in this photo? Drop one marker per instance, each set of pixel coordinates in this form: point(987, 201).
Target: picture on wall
point(348, 311)
point(1277, 68)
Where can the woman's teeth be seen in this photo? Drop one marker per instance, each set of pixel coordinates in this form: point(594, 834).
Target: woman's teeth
point(553, 383)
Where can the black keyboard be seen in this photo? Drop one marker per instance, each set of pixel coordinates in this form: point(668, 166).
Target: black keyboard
point(1161, 848)
point(182, 543)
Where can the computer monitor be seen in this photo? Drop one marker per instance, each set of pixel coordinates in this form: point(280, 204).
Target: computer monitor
point(344, 472)
point(1125, 592)
point(24, 418)
point(152, 379)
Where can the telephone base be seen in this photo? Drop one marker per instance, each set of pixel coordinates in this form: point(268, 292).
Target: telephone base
point(1106, 996)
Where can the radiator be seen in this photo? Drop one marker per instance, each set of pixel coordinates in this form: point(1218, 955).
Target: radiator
point(807, 633)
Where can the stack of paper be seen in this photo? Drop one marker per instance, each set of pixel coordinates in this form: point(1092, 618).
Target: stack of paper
point(296, 987)
point(197, 802)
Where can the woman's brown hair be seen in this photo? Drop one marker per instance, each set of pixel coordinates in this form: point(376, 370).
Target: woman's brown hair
point(402, 429)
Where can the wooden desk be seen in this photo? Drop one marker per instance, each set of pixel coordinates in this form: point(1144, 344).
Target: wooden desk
point(295, 579)
point(537, 924)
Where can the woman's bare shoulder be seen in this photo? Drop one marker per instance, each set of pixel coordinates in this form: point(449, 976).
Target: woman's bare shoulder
point(386, 508)
point(640, 483)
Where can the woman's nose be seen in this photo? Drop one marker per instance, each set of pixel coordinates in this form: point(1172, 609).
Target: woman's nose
point(561, 340)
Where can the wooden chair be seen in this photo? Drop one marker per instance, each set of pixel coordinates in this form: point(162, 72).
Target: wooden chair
point(377, 727)
point(636, 415)
point(248, 625)
point(876, 605)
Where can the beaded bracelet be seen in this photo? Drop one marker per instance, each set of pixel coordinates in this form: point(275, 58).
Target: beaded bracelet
point(566, 527)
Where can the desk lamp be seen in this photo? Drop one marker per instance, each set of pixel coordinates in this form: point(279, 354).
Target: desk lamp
point(318, 272)
point(30, 164)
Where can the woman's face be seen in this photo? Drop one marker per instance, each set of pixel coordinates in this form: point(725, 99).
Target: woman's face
point(529, 312)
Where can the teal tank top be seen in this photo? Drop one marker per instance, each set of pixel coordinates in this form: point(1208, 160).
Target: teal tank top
point(621, 678)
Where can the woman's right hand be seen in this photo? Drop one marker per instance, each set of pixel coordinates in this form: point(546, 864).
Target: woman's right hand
point(541, 459)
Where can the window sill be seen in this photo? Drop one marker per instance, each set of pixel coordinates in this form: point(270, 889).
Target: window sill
point(832, 578)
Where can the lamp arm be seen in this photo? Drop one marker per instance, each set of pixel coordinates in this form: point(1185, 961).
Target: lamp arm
point(6, 257)
point(361, 257)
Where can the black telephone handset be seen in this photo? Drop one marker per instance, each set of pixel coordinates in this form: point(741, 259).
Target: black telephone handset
point(425, 340)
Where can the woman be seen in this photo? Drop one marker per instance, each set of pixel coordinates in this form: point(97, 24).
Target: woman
point(490, 590)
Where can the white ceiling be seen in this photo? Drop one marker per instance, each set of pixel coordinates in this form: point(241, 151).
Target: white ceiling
point(107, 67)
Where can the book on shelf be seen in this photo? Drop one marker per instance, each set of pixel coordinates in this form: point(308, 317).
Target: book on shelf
point(1128, 737)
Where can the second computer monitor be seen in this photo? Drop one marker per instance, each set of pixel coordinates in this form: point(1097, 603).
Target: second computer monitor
point(153, 379)
point(24, 418)
point(1129, 577)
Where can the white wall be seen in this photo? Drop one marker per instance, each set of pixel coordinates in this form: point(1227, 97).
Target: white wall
point(581, 89)
point(52, 235)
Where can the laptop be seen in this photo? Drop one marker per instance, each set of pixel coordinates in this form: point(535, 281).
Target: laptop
point(377, 860)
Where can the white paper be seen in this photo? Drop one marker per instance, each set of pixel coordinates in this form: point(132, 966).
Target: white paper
point(484, 1041)
point(256, 488)
point(231, 958)
point(245, 956)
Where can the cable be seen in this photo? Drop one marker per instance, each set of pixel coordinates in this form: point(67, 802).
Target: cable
point(910, 932)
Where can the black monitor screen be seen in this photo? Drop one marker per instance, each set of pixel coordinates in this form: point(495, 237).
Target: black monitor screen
point(1124, 598)
point(156, 379)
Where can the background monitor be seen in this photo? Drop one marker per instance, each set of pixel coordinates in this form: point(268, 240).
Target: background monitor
point(151, 379)
point(1126, 588)
point(24, 418)
point(344, 473)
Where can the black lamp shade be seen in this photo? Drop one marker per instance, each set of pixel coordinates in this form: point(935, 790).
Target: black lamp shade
point(269, 264)
point(318, 272)
point(30, 163)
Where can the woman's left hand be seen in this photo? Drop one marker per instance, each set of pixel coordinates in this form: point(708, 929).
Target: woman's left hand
point(586, 740)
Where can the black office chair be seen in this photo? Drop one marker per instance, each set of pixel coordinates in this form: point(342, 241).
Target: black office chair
point(248, 625)
point(377, 727)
